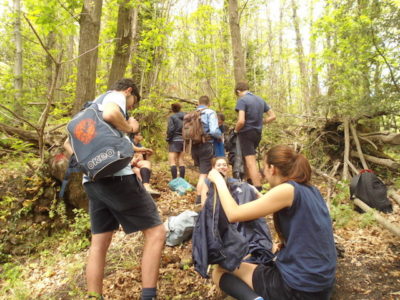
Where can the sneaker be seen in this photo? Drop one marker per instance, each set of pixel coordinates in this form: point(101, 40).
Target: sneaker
point(153, 193)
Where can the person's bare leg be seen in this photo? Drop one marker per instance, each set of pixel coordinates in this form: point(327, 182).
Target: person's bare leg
point(96, 261)
point(153, 245)
point(252, 168)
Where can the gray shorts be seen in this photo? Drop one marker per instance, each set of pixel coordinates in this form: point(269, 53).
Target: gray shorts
point(176, 146)
point(120, 200)
point(202, 155)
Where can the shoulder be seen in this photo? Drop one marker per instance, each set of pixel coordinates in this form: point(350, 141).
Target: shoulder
point(117, 98)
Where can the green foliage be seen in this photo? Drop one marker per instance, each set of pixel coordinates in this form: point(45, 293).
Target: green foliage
point(12, 283)
point(76, 238)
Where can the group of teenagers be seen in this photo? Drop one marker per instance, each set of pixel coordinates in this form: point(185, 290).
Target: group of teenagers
point(305, 259)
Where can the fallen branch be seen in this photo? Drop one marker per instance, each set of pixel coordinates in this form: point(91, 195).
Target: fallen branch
point(381, 220)
point(359, 150)
point(391, 164)
point(384, 137)
point(191, 101)
point(392, 194)
point(346, 149)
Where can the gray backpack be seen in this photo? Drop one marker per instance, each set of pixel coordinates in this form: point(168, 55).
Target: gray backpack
point(100, 149)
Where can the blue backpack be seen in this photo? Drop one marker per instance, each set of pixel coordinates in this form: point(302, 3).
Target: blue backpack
point(100, 149)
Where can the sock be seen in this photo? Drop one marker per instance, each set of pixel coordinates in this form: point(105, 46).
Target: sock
point(237, 288)
point(149, 293)
point(182, 171)
point(259, 188)
point(145, 174)
point(198, 199)
point(174, 172)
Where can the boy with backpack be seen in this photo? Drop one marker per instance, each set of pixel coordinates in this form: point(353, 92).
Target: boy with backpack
point(200, 136)
point(120, 200)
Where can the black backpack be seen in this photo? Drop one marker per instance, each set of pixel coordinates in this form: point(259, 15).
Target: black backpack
point(371, 190)
point(100, 149)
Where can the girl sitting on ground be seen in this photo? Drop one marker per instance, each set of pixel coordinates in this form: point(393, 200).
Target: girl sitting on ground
point(304, 268)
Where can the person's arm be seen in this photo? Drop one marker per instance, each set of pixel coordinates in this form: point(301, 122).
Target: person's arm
point(241, 120)
point(68, 147)
point(112, 114)
point(269, 116)
point(277, 198)
point(213, 125)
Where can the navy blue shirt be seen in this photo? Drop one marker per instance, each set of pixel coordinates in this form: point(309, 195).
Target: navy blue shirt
point(308, 260)
point(254, 108)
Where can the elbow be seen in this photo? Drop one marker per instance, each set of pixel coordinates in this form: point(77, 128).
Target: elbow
point(232, 218)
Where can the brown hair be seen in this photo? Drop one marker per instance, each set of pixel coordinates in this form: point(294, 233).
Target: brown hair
point(204, 100)
point(292, 165)
point(176, 107)
point(125, 83)
point(242, 86)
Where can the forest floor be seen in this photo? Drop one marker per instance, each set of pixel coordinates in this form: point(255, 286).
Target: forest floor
point(369, 266)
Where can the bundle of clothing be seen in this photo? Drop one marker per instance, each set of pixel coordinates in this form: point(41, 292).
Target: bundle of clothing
point(216, 241)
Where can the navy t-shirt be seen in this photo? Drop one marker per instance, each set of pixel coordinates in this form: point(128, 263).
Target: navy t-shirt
point(308, 260)
point(254, 108)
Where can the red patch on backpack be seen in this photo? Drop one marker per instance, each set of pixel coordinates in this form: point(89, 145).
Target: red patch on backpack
point(85, 131)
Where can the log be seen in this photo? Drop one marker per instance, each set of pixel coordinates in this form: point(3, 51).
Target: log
point(392, 194)
point(391, 164)
point(393, 228)
point(384, 137)
point(26, 135)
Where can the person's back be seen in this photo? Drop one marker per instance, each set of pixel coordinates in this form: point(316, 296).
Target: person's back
point(309, 246)
point(202, 153)
point(254, 107)
point(175, 141)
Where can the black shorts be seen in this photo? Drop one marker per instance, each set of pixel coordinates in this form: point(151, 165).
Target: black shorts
point(176, 146)
point(202, 155)
point(269, 284)
point(249, 141)
point(120, 200)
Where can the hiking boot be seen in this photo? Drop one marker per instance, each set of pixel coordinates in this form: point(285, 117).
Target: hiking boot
point(153, 193)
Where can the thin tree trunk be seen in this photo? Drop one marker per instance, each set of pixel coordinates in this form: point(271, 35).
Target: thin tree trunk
point(301, 60)
point(126, 32)
point(18, 80)
point(314, 88)
point(239, 67)
point(88, 41)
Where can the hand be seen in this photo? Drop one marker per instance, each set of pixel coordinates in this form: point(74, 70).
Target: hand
point(214, 175)
point(134, 124)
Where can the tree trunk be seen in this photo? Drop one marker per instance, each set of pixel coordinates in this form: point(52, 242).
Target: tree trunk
point(301, 59)
point(314, 88)
point(18, 81)
point(346, 149)
point(88, 52)
point(239, 67)
point(126, 31)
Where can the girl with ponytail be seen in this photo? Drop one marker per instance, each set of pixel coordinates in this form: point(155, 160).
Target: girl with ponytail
point(304, 267)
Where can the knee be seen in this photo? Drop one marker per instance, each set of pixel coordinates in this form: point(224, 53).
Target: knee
point(156, 234)
point(216, 275)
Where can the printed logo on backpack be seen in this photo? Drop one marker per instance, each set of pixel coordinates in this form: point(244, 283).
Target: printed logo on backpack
point(100, 149)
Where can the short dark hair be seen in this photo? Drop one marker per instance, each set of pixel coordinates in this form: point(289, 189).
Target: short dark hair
point(221, 116)
point(176, 107)
point(242, 86)
point(125, 83)
point(204, 100)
